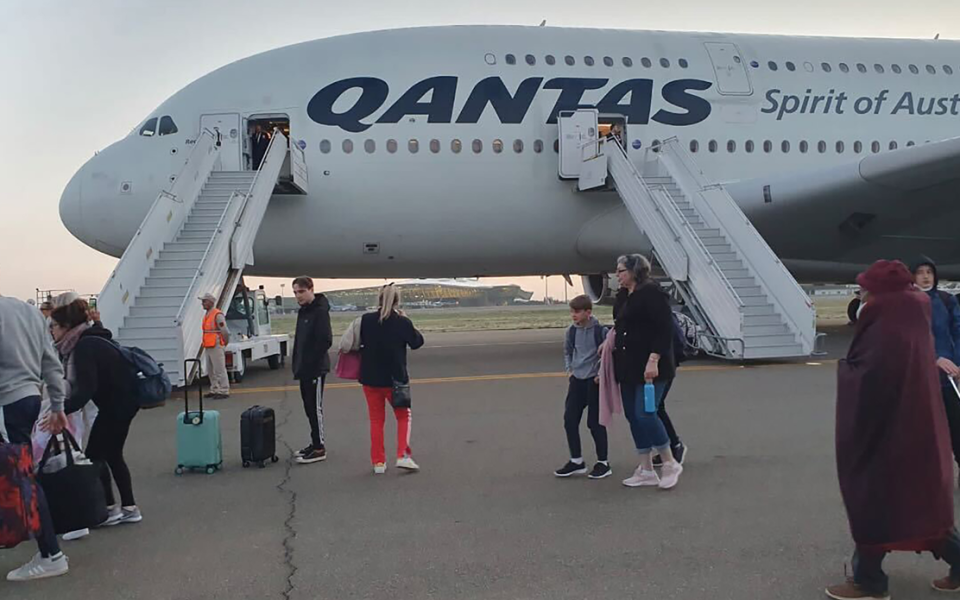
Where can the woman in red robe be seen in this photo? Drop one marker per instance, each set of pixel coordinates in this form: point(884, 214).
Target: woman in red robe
point(893, 446)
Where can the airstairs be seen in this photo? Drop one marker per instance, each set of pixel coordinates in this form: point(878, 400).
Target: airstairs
point(197, 238)
point(746, 304)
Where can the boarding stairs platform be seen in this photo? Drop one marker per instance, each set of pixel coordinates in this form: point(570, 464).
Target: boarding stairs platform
point(197, 238)
point(746, 303)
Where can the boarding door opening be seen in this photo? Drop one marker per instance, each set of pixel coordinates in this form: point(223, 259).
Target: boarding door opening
point(579, 135)
point(226, 130)
point(729, 68)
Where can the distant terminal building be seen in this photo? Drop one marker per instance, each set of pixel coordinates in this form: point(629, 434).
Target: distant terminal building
point(429, 293)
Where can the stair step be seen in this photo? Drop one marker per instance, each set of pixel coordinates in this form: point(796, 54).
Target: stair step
point(169, 310)
point(758, 311)
point(781, 351)
point(716, 244)
point(133, 324)
point(181, 256)
point(749, 291)
point(177, 292)
point(723, 256)
point(765, 330)
point(194, 235)
point(730, 264)
point(211, 220)
point(151, 345)
point(753, 341)
point(199, 228)
point(705, 234)
point(184, 247)
point(173, 272)
point(754, 300)
point(166, 302)
point(181, 281)
point(732, 274)
point(758, 320)
point(166, 262)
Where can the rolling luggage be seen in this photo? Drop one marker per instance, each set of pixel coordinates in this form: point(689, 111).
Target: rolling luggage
point(199, 445)
point(258, 436)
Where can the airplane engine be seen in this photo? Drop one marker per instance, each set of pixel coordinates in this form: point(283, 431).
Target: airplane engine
point(598, 288)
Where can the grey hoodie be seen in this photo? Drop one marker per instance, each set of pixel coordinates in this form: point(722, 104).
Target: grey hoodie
point(27, 355)
point(582, 359)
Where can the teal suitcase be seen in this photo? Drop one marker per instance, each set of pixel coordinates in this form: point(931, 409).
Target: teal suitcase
point(199, 444)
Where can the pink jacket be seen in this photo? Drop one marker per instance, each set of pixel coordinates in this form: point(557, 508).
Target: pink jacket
point(610, 402)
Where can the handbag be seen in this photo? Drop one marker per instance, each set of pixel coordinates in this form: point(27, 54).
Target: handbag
point(400, 398)
point(348, 366)
point(19, 505)
point(74, 493)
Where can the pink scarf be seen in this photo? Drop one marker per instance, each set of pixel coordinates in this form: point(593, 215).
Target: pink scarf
point(69, 340)
point(610, 401)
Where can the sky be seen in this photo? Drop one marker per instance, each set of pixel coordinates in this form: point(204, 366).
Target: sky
point(76, 75)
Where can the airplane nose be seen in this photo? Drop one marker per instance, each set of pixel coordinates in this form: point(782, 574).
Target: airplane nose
point(71, 209)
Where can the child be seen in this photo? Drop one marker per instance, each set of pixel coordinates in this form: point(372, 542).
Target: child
point(582, 362)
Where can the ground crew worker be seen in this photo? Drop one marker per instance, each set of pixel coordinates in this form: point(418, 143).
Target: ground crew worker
point(215, 339)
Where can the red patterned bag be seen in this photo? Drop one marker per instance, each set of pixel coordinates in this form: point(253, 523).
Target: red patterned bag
point(19, 510)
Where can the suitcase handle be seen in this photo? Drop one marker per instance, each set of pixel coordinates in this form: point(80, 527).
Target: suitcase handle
point(187, 419)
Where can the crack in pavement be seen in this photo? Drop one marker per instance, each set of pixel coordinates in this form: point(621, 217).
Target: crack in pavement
point(291, 533)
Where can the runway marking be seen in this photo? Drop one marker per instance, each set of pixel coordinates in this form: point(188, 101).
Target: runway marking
point(518, 376)
point(496, 344)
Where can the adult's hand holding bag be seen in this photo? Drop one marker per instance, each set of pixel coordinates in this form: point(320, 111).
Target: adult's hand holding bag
point(72, 486)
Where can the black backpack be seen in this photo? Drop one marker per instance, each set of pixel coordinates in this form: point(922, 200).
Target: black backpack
point(149, 382)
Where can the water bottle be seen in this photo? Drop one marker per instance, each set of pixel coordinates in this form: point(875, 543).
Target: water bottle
point(649, 398)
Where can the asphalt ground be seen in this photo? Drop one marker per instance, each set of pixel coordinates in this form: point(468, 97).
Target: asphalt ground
point(757, 513)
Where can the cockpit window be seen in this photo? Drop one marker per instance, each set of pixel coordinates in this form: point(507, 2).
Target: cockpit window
point(167, 126)
point(149, 128)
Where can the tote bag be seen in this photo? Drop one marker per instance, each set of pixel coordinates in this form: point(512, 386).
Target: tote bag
point(74, 493)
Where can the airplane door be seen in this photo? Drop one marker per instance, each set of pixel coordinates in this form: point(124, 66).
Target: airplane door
point(730, 69)
point(578, 130)
point(226, 130)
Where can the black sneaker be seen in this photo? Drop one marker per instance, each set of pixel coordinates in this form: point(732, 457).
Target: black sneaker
point(571, 468)
point(600, 471)
point(680, 452)
point(315, 455)
point(307, 450)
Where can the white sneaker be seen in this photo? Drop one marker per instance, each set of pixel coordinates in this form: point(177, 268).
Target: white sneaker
point(379, 468)
point(114, 514)
point(670, 475)
point(130, 515)
point(75, 535)
point(40, 568)
point(407, 463)
point(642, 478)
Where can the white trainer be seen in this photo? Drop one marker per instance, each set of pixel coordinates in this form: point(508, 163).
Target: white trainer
point(40, 568)
point(379, 468)
point(114, 514)
point(642, 478)
point(407, 463)
point(75, 535)
point(670, 475)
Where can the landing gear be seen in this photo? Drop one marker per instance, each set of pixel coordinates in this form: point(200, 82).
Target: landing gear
point(273, 362)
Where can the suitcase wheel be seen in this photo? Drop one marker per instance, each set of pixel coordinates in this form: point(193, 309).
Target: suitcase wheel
point(211, 470)
point(179, 470)
point(274, 459)
point(246, 464)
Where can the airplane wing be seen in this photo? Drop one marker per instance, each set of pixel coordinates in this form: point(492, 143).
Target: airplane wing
point(897, 204)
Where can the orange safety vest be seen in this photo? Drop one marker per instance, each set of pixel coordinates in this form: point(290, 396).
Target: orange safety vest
point(210, 330)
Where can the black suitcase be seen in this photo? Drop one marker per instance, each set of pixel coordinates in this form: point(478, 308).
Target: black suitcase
point(258, 436)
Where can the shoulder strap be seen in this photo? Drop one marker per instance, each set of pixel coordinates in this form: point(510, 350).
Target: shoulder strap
point(571, 337)
point(598, 334)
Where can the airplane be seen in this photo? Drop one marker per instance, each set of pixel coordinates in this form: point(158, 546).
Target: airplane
point(432, 152)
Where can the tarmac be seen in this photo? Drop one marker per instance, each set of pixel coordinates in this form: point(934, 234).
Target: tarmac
point(757, 513)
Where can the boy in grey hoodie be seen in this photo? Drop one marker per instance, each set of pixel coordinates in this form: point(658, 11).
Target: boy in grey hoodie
point(582, 361)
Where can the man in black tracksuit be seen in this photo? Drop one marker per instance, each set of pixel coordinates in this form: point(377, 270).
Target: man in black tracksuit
point(311, 363)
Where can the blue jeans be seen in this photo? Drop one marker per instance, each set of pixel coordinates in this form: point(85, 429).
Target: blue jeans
point(647, 428)
point(18, 420)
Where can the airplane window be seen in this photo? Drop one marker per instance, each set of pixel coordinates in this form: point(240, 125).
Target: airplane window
point(608, 61)
point(325, 146)
point(683, 63)
point(931, 69)
point(413, 146)
point(664, 63)
point(588, 60)
point(497, 146)
point(893, 145)
point(804, 146)
point(844, 67)
point(435, 146)
point(791, 67)
point(456, 146)
point(149, 128)
point(511, 59)
point(627, 61)
point(731, 146)
point(556, 146)
point(914, 69)
point(910, 143)
point(772, 65)
point(712, 146)
point(518, 146)
point(646, 62)
point(551, 60)
point(821, 147)
point(754, 64)
point(826, 67)
point(896, 69)
point(862, 67)
point(749, 146)
point(694, 146)
point(531, 59)
point(948, 69)
point(167, 126)
point(370, 146)
point(875, 147)
point(538, 146)
point(840, 147)
point(656, 145)
point(768, 146)
point(808, 67)
point(878, 68)
point(569, 60)
point(391, 146)
point(858, 147)
point(347, 146)
point(477, 146)
point(785, 147)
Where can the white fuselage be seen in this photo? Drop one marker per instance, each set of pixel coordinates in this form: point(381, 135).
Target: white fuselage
point(467, 213)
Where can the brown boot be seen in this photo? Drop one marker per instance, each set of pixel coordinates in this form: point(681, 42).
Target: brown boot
point(852, 591)
point(947, 584)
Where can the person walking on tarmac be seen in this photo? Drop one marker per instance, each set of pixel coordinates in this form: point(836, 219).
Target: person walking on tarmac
point(311, 362)
point(215, 339)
